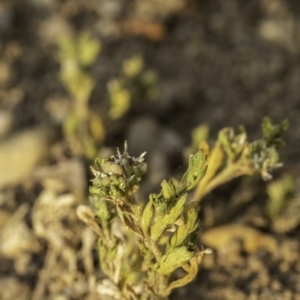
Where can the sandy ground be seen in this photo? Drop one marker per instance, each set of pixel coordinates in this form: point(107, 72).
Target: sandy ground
point(220, 63)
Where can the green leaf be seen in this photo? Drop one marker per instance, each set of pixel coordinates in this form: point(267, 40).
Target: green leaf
point(162, 221)
point(88, 49)
point(214, 163)
point(133, 66)
point(195, 172)
point(147, 216)
point(189, 227)
point(173, 260)
point(225, 137)
point(119, 97)
point(279, 192)
point(199, 134)
point(272, 133)
point(167, 197)
point(103, 212)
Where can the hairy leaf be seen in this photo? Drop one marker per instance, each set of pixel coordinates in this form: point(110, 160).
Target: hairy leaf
point(190, 225)
point(147, 216)
point(173, 260)
point(195, 172)
point(162, 221)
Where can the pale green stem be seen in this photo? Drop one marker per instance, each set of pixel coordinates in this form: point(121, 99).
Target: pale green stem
point(231, 171)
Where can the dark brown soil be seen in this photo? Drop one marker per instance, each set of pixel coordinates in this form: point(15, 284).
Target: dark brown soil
point(220, 63)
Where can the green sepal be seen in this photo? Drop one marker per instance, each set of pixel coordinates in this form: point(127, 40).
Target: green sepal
point(99, 162)
point(94, 190)
point(112, 168)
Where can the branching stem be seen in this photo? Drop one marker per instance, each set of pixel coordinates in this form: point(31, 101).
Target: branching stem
point(230, 172)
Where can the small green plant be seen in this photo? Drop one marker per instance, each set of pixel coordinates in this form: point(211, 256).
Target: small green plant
point(143, 246)
point(84, 130)
point(283, 206)
point(134, 82)
point(233, 156)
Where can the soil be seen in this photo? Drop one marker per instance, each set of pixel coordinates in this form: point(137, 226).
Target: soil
point(220, 63)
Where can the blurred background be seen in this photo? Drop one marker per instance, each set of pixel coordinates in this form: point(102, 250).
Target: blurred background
point(77, 78)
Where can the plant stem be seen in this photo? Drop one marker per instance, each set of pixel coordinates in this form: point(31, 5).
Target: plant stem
point(231, 171)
